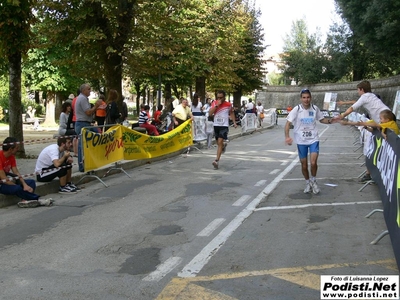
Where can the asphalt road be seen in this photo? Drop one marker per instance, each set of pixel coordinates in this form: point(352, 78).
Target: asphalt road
point(178, 229)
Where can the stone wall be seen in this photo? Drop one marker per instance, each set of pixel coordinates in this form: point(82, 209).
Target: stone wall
point(282, 96)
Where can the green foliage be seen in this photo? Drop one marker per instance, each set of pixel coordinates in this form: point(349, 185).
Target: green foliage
point(304, 56)
point(16, 18)
point(375, 35)
point(249, 63)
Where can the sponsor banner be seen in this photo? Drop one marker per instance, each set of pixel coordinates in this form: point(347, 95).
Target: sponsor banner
point(382, 160)
point(330, 113)
point(249, 122)
point(199, 128)
point(100, 149)
point(143, 146)
point(281, 112)
point(359, 287)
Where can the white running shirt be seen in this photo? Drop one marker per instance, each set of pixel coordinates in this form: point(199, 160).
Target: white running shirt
point(305, 124)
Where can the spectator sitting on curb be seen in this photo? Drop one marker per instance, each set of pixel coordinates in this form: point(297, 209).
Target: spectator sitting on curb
point(55, 161)
point(21, 188)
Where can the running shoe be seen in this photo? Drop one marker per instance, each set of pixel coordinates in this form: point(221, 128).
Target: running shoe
point(314, 187)
point(308, 189)
point(215, 164)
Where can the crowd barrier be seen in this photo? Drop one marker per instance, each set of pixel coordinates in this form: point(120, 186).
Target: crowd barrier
point(122, 143)
point(249, 122)
point(382, 160)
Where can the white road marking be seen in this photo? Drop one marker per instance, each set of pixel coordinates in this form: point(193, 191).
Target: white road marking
point(163, 269)
point(260, 183)
point(242, 200)
point(275, 171)
point(315, 204)
point(211, 227)
point(322, 178)
point(284, 163)
point(201, 259)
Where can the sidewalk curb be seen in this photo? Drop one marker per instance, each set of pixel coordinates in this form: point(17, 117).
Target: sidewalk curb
point(45, 188)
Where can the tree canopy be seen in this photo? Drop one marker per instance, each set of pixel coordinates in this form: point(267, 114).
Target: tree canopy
point(208, 44)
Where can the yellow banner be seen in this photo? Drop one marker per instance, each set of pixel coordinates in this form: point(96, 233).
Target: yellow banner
point(122, 143)
point(101, 149)
point(142, 146)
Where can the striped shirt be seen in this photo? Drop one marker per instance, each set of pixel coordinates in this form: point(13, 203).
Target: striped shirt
point(143, 117)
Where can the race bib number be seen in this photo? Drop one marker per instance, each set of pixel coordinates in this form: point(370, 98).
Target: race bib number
point(219, 121)
point(307, 134)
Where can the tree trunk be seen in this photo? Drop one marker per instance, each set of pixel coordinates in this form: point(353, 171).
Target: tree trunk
point(237, 96)
point(138, 94)
point(113, 75)
point(50, 120)
point(201, 88)
point(58, 108)
point(176, 92)
point(15, 103)
point(168, 91)
point(37, 97)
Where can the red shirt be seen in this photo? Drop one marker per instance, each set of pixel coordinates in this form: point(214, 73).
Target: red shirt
point(157, 116)
point(6, 163)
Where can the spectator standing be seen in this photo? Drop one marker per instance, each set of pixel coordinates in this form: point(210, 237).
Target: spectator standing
point(196, 106)
point(101, 111)
point(70, 98)
point(221, 110)
point(206, 107)
point(112, 115)
point(17, 186)
point(84, 112)
point(368, 100)
point(65, 128)
point(250, 107)
point(55, 161)
point(371, 103)
point(260, 113)
point(304, 118)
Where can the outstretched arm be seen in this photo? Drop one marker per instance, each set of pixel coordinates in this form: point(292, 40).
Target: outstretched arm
point(345, 102)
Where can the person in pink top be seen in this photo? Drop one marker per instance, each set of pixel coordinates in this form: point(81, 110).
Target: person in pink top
point(222, 110)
